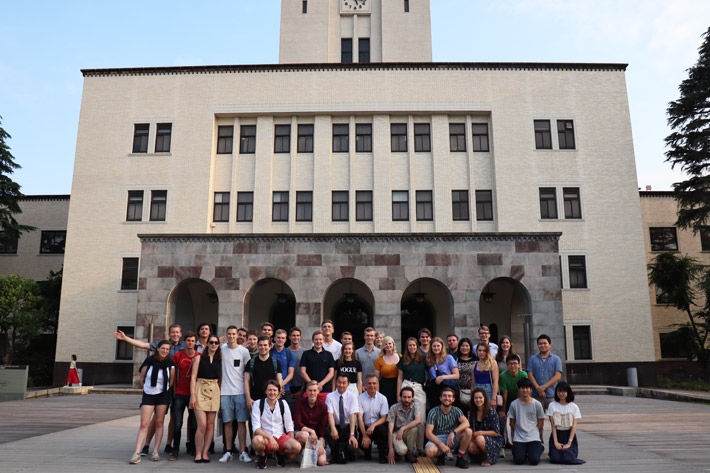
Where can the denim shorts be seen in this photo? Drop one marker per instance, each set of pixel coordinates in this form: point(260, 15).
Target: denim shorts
point(442, 439)
point(234, 407)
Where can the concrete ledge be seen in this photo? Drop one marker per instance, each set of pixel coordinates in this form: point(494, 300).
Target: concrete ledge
point(42, 393)
point(83, 390)
point(622, 391)
point(669, 395)
point(115, 390)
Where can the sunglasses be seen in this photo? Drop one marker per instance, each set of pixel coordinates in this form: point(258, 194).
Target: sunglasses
point(213, 342)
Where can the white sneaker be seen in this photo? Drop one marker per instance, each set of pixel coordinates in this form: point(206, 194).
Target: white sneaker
point(244, 457)
point(227, 457)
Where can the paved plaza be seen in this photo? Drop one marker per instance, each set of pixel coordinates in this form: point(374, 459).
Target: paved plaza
point(97, 432)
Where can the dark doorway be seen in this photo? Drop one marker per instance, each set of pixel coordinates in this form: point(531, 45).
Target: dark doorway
point(416, 315)
point(352, 315)
point(283, 313)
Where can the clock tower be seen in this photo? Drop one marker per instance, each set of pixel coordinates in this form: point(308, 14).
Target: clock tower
point(353, 31)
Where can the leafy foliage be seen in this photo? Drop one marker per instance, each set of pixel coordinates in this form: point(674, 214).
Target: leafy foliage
point(9, 191)
point(19, 315)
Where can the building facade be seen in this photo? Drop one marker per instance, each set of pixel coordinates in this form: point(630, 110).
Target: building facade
point(360, 182)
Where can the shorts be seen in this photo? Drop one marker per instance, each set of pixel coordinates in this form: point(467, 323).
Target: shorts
point(233, 407)
point(162, 399)
point(442, 439)
point(281, 441)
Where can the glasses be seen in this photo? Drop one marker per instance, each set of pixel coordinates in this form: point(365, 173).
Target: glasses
point(212, 342)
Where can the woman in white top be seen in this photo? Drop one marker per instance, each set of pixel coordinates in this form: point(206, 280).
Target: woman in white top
point(564, 414)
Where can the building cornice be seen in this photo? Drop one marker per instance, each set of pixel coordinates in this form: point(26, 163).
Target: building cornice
point(44, 197)
point(657, 194)
point(398, 66)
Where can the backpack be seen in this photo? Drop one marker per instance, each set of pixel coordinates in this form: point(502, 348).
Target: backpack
point(251, 369)
point(262, 404)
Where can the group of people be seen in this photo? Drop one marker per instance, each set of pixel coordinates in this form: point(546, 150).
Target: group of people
point(441, 399)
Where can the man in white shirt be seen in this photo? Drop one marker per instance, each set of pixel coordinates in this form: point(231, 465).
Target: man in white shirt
point(273, 428)
point(484, 336)
point(368, 353)
point(372, 419)
point(343, 409)
point(233, 402)
point(330, 344)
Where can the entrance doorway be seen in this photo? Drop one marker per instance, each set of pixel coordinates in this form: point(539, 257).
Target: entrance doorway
point(193, 302)
point(426, 303)
point(349, 303)
point(270, 300)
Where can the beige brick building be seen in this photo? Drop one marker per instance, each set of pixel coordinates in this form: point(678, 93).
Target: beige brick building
point(358, 181)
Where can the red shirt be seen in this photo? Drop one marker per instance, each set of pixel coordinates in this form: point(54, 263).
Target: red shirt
point(315, 417)
point(183, 363)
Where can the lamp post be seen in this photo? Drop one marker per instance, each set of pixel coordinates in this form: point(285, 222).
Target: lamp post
point(527, 321)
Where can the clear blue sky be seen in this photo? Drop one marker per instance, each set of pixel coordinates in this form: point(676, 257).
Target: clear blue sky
point(45, 43)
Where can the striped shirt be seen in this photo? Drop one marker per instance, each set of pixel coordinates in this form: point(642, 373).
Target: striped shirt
point(444, 424)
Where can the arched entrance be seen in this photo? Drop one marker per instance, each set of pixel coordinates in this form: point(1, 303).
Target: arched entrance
point(503, 305)
point(270, 300)
point(349, 303)
point(193, 302)
point(426, 303)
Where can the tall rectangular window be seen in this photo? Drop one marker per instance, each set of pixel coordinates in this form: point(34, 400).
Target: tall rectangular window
point(406, 6)
point(705, 238)
point(279, 208)
point(422, 137)
point(673, 345)
point(305, 138)
point(162, 137)
point(663, 239)
point(399, 137)
point(225, 139)
point(124, 350)
point(565, 134)
point(221, 207)
point(582, 341)
point(400, 205)
point(346, 50)
point(548, 202)
point(245, 206)
point(129, 274)
point(425, 205)
point(52, 242)
point(480, 137)
point(140, 137)
point(158, 204)
point(457, 136)
point(363, 206)
point(363, 138)
point(304, 206)
point(341, 135)
point(577, 271)
point(134, 212)
point(363, 50)
point(304, 7)
point(459, 204)
point(543, 135)
point(340, 206)
point(247, 139)
point(282, 138)
point(573, 205)
point(8, 244)
point(484, 205)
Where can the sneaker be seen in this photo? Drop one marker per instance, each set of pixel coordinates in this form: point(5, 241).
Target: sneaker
point(280, 461)
point(144, 451)
point(441, 460)
point(244, 457)
point(155, 456)
point(461, 462)
point(227, 457)
point(410, 458)
point(261, 462)
point(168, 449)
point(136, 458)
point(502, 453)
point(174, 456)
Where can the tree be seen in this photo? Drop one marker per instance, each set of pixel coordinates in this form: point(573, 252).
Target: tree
point(19, 318)
point(689, 143)
point(9, 192)
point(684, 282)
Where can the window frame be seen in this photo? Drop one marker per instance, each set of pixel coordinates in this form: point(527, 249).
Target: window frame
point(134, 207)
point(163, 137)
point(543, 136)
point(46, 247)
point(304, 206)
point(549, 211)
point(245, 206)
point(484, 205)
point(704, 234)
point(340, 206)
point(577, 266)
point(225, 139)
point(582, 343)
point(400, 207)
point(158, 205)
point(247, 139)
point(668, 241)
point(282, 138)
point(565, 135)
point(457, 137)
point(122, 346)
point(129, 273)
point(341, 141)
point(141, 136)
point(459, 205)
point(363, 137)
point(481, 142)
point(220, 211)
point(346, 50)
point(424, 205)
point(363, 206)
point(305, 137)
point(279, 206)
point(422, 140)
point(363, 50)
point(398, 138)
point(8, 245)
point(572, 203)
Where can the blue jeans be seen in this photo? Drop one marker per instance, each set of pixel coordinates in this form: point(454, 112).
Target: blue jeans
point(180, 403)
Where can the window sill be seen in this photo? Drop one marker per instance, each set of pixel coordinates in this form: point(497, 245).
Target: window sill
point(590, 360)
point(132, 155)
point(123, 361)
point(128, 291)
point(50, 254)
point(562, 220)
point(576, 289)
point(7, 254)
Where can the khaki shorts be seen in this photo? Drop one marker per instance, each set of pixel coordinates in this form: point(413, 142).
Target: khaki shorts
point(207, 395)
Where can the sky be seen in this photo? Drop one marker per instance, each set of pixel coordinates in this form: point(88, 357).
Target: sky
point(44, 44)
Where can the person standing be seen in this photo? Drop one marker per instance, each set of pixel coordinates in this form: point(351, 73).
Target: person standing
point(73, 375)
point(181, 401)
point(348, 364)
point(297, 349)
point(266, 330)
point(343, 408)
point(465, 361)
point(526, 421)
point(372, 419)
point(286, 360)
point(452, 344)
point(204, 395)
point(318, 364)
point(203, 332)
point(484, 336)
point(368, 353)
point(260, 371)
point(403, 421)
point(386, 370)
point(544, 371)
point(329, 343)
point(273, 427)
point(443, 371)
point(424, 336)
point(447, 430)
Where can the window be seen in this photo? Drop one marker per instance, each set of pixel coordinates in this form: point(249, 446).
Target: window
point(158, 203)
point(225, 139)
point(661, 297)
point(363, 138)
point(480, 137)
point(577, 272)
point(663, 239)
point(341, 135)
point(543, 135)
point(221, 207)
point(406, 6)
point(8, 244)
point(484, 205)
point(457, 136)
point(282, 138)
point(305, 138)
point(573, 207)
point(459, 202)
point(363, 50)
point(279, 209)
point(340, 206)
point(52, 242)
point(304, 206)
point(140, 138)
point(129, 274)
point(134, 213)
point(304, 8)
point(399, 137)
point(400, 205)
point(346, 50)
point(247, 139)
point(674, 344)
point(582, 341)
point(162, 137)
point(245, 206)
point(705, 238)
point(422, 137)
point(363, 206)
point(548, 202)
point(425, 205)
point(565, 134)
point(124, 350)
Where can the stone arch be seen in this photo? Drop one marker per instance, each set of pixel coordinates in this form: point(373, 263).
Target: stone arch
point(270, 300)
point(505, 313)
point(192, 302)
point(350, 304)
point(426, 303)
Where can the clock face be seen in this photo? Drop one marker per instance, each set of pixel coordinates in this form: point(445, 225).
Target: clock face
point(354, 6)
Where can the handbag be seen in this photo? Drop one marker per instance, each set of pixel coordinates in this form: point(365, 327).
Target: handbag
point(310, 455)
point(465, 396)
point(499, 398)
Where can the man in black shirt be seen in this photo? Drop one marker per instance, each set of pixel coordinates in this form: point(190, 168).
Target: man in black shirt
point(318, 364)
point(260, 371)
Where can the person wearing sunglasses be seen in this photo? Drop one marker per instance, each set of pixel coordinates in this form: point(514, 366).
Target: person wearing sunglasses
point(205, 395)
